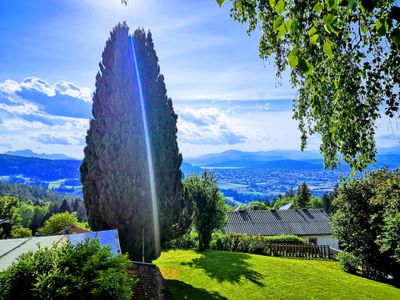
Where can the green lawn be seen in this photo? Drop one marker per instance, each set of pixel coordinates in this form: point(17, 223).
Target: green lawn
point(228, 275)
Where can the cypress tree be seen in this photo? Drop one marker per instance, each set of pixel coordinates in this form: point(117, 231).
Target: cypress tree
point(303, 195)
point(115, 170)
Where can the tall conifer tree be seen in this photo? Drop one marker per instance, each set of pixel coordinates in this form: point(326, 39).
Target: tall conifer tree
point(115, 173)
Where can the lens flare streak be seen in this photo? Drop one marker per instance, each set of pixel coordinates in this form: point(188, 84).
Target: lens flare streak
point(148, 152)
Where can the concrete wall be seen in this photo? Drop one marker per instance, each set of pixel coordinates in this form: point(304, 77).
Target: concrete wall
point(323, 240)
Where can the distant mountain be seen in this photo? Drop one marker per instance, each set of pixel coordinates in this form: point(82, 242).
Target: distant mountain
point(284, 159)
point(234, 157)
point(187, 169)
point(38, 168)
point(30, 153)
point(283, 164)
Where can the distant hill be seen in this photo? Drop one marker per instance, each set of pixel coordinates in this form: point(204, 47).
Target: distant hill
point(30, 153)
point(187, 169)
point(225, 158)
point(284, 159)
point(38, 168)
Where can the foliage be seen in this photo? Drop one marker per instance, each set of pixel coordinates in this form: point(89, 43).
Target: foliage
point(115, 172)
point(215, 274)
point(281, 201)
point(21, 232)
point(322, 42)
point(258, 205)
point(366, 222)
point(189, 240)
point(208, 205)
point(58, 222)
point(303, 195)
point(348, 262)
point(234, 242)
point(9, 211)
point(84, 271)
point(250, 244)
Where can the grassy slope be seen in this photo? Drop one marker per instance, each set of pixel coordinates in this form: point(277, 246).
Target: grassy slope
point(227, 275)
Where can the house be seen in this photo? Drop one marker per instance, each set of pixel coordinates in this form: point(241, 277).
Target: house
point(313, 225)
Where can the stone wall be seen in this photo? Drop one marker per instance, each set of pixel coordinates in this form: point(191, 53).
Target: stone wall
point(151, 285)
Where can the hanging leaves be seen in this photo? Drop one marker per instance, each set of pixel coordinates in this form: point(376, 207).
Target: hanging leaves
point(345, 64)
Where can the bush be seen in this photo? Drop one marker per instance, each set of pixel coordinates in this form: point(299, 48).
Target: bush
point(348, 262)
point(21, 232)
point(187, 241)
point(84, 271)
point(234, 242)
point(250, 244)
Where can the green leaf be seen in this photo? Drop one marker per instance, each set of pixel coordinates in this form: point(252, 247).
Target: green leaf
point(294, 26)
point(318, 7)
point(288, 25)
point(382, 26)
point(352, 4)
point(332, 5)
point(280, 6)
point(395, 37)
point(220, 2)
point(294, 58)
point(361, 7)
point(278, 23)
point(314, 39)
point(272, 3)
point(281, 31)
point(306, 67)
point(312, 31)
point(328, 47)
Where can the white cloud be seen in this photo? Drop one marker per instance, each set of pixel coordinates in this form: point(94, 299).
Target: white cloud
point(206, 126)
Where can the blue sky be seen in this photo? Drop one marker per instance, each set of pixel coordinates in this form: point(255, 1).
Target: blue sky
point(225, 96)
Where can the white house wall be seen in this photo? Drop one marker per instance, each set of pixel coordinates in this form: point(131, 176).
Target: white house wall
point(323, 240)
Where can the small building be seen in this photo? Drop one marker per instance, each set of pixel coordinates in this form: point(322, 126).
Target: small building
point(313, 225)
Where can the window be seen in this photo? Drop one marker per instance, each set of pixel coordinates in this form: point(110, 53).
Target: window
point(312, 241)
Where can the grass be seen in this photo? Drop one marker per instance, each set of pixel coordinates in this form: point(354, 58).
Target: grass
point(229, 275)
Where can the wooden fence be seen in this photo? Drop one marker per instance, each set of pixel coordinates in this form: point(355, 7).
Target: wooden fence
point(305, 251)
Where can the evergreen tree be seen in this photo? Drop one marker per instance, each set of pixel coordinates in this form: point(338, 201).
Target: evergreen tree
point(303, 195)
point(115, 170)
point(64, 207)
point(289, 193)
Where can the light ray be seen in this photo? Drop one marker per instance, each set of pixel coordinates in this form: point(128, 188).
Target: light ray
point(148, 152)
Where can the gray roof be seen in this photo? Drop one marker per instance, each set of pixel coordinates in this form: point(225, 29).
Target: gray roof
point(275, 222)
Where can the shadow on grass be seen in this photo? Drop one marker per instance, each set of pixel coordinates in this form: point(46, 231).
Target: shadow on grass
point(231, 268)
point(182, 290)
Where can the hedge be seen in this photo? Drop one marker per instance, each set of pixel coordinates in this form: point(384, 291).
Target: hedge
point(234, 242)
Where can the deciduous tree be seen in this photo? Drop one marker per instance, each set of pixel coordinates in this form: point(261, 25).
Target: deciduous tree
point(344, 61)
point(208, 205)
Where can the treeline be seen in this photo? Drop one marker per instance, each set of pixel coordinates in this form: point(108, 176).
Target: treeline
point(26, 208)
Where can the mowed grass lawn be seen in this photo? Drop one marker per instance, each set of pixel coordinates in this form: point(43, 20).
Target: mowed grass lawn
point(229, 275)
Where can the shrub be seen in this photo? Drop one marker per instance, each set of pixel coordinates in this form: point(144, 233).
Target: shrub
point(348, 262)
point(250, 244)
point(21, 232)
point(84, 271)
point(187, 241)
point(234, 242)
